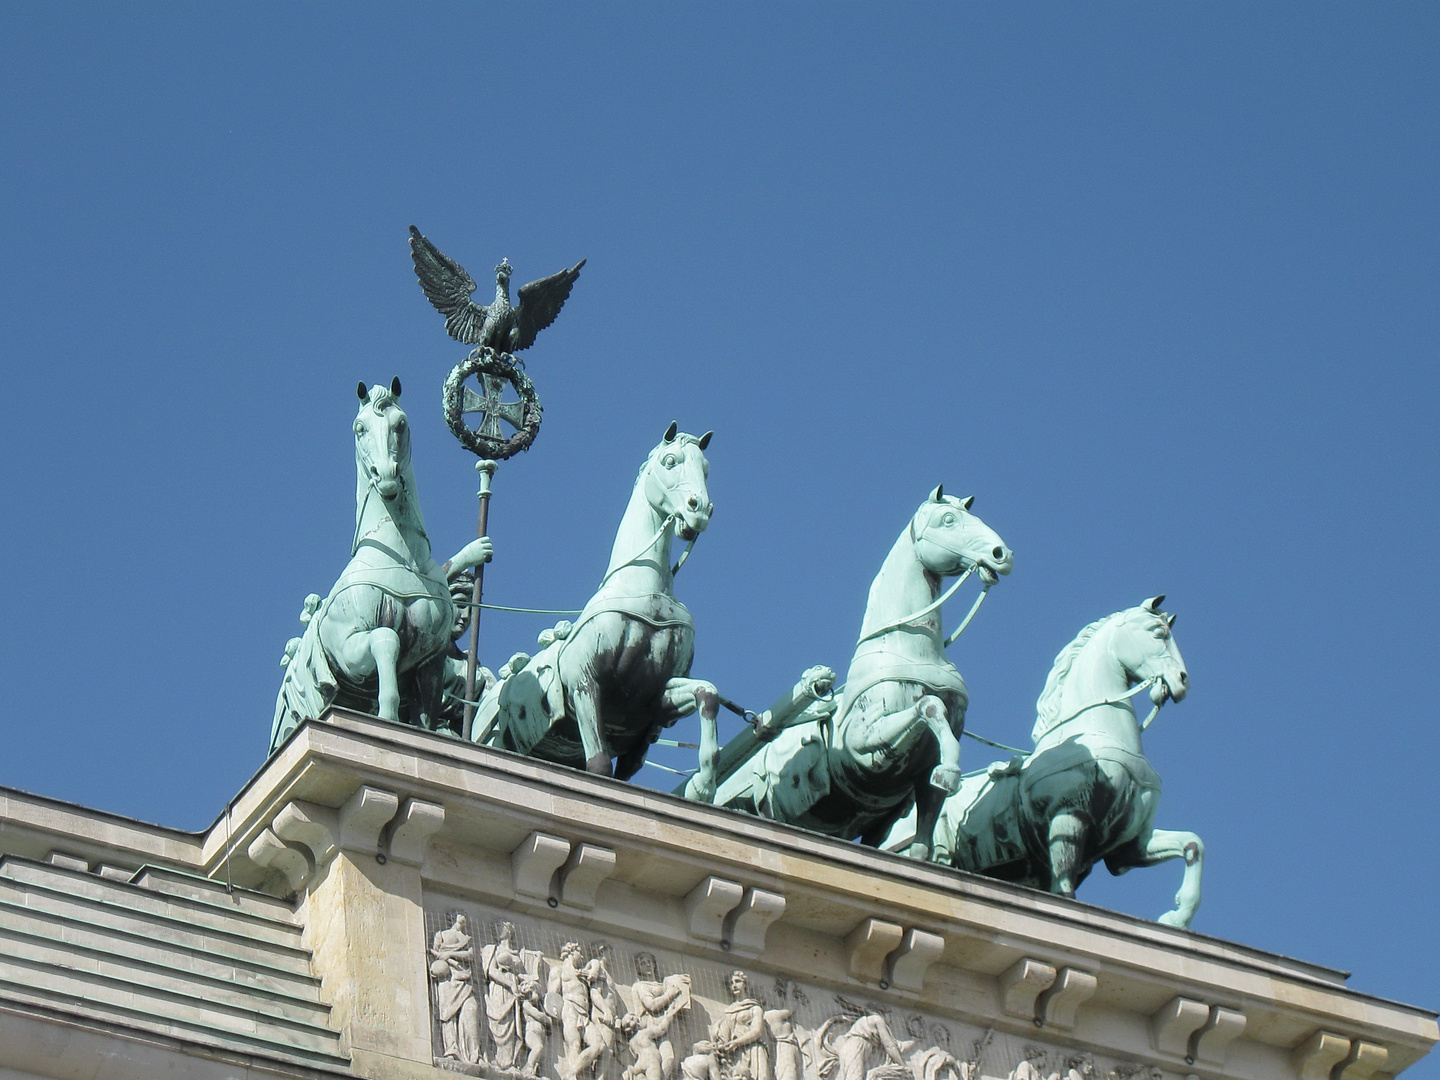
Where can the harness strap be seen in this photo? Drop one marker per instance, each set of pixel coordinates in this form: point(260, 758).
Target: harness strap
point(669, 520)
point(926, 610)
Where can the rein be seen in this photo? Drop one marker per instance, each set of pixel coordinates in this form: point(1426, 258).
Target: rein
point(927, 609)
point(1093, 705)
point(1117, 701)
point(670, 519)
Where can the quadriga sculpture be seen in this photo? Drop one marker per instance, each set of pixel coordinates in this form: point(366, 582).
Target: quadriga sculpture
point(1086, 792)
point(893, 738)
point(619, 674)
point(378, 642)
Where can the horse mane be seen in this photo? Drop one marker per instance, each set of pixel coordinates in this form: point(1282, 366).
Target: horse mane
point(380, 396)
point(1047, 707)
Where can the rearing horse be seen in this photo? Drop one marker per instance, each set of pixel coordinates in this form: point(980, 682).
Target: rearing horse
point(378, 642)
point(619, 675)
point(894, 738)
point(1086, 792)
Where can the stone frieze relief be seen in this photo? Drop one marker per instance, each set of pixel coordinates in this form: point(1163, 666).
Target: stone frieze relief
point(518, 999)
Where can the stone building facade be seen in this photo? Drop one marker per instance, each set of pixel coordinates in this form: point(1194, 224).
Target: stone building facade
point(384, 903)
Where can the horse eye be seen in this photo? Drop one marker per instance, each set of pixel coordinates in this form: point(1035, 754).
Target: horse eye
point(669, 461)
point(359, 428)
point(949, 519)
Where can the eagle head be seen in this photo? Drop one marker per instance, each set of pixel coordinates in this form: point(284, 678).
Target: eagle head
point(502, 272)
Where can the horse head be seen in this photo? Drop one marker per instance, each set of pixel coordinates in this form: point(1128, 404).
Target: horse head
point(382, 439)
point(949, 539)
point(675, 481)
point(1144, 643)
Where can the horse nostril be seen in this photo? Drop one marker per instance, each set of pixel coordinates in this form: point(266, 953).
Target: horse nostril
point(693, 503)
point(999, 553)
point(1184, 678)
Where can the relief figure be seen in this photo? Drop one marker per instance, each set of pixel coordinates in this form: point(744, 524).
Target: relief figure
point(452, 970)
point(741, 1037)
point(656, 1004)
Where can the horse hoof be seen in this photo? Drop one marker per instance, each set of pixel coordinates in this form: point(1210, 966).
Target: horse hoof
point(1174, 918)
point(600, 765)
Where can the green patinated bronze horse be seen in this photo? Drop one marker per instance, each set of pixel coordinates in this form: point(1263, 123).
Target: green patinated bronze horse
point(893, 738)
point(1086, 792)
point(607, 685)
point(379, 642)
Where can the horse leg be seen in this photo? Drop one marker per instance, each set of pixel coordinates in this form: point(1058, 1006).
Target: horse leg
point(385, 647)
point(1067, 844)
point(429, 691)
point(585, 702)
point(889, 735)
point(375, 650)
point(682, 697)
point(928, 801)
point(1162, 845)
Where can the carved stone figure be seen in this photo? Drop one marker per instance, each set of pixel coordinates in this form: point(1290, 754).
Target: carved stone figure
point(741, 1036)
point(703, 1062)
point(1032, 1065)
point(620, 675)
point(977, 1051)
point(1086, 792)
point(585, 1032)
point(860, 1045)
point(452, 970)
point(498, 325)
point(511, 978)
point(934, 1062)
point(895, 732)
point(656, 1003)
point(1079, 1067)
point(378, 643)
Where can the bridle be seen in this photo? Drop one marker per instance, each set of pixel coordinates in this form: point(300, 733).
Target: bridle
point(934, 604)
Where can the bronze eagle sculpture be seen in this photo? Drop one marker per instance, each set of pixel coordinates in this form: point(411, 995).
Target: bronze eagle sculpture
point(500, 325)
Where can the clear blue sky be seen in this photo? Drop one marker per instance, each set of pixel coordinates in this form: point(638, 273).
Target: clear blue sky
point(1156, 283)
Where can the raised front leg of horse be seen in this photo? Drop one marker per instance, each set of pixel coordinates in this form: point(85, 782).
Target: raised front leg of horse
point(376, 651)
point(895, 733)
point(1162, 845)
point(681, 698)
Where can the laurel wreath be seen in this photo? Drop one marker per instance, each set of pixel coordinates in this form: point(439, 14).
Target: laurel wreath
point(488, 361)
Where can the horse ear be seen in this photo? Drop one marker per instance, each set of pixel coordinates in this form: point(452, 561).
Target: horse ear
point(364, 394)
point(705, 440)
point(966, 501)
point(938, 495)
point(1153, 604)
point(1170, 621)
point(395, 386)
point(671, 430)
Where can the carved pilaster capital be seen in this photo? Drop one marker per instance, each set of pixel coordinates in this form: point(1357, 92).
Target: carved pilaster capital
point(707, 905)
point(1319, 1054)
point(746, 925)
point(905, 967)
point(1056, 1006)
point(408, 835)
point(1021, 983)
point(867, 946)
point(534, 862)
point(586, 867)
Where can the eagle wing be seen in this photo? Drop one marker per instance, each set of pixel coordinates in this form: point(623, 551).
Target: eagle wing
point(540, 302)
point(449, 288)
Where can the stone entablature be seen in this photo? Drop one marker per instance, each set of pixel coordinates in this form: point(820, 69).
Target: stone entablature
point(382, 835)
